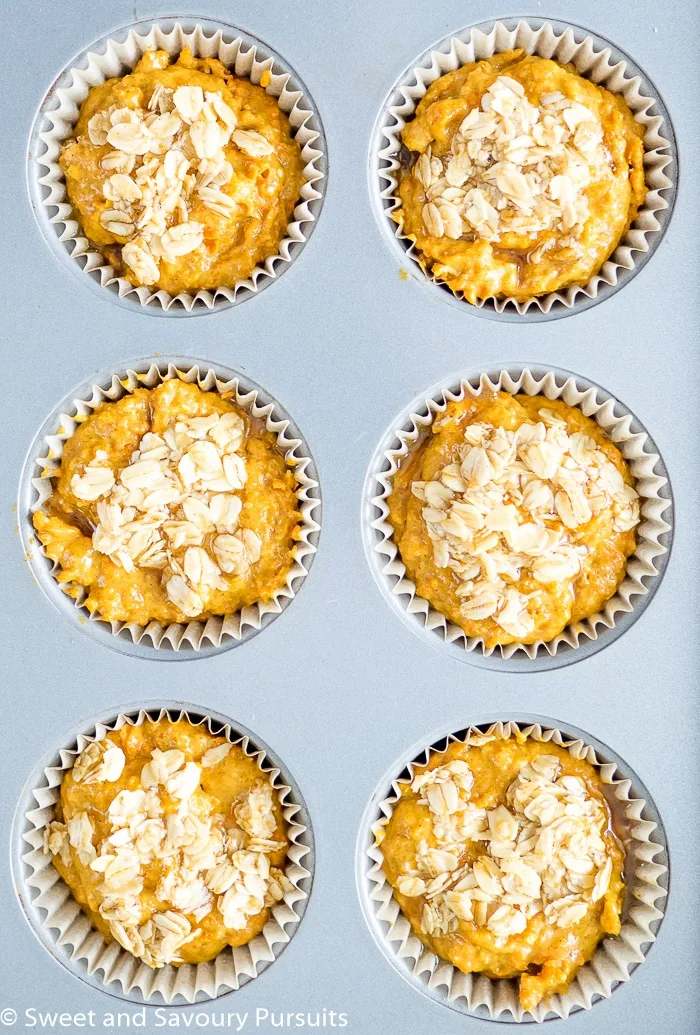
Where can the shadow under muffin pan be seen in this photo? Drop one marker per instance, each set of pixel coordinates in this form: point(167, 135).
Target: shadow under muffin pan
point(644, 569)
point(177, 641)
point(65, 931)
point(115, 54)
point(596, 59)
point(647, 877)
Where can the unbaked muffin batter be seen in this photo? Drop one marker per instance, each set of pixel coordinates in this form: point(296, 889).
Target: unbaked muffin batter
point(502, 856)
point(525, 177)
point(183, 175)
point(172, 840)
point(171, 504)
point(514, 516)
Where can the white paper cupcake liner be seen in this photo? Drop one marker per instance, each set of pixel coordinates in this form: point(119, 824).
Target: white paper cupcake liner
point(615, 958)
point(67, 932)
point(116, 55)
point(218, 632)
point(644, 566)
point(596, 59)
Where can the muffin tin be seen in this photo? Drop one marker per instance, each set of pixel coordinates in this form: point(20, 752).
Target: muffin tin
point(346, 338)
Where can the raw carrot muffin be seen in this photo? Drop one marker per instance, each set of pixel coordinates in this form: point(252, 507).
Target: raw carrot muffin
point(514, 516)
point(502, 856)
point(170, 504)
point(183, 175)
point(525, 177)
point(172, 840)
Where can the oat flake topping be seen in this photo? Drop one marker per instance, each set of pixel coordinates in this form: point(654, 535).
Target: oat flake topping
point(490, 513)
point(164, 159)
point(514, 167)
point(545, 851)
point(179, 491)
point(204, 863)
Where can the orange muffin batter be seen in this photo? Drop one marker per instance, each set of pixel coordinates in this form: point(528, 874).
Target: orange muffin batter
point(171, 504)
point(172, 841)
point(514, 516)
point(525, 177)
point(183, 175)
point(502, 856)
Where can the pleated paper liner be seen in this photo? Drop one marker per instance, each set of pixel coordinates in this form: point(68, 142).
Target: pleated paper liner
point(596, 59)
point(644, 566)
point(176, 640)
point(646, 874)
point(116, 55)
point(67, 933)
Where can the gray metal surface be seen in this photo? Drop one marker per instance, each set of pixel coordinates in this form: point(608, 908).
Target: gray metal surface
point(338, 686)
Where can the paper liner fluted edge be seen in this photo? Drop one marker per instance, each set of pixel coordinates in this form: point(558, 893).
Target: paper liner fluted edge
point(615, 957)
point(592, 59)
point(218, 629)
point(241, 56)
point(634, 448)
point(82, 946)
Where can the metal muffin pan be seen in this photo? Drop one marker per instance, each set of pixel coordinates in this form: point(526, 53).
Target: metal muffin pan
point(346, 338)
